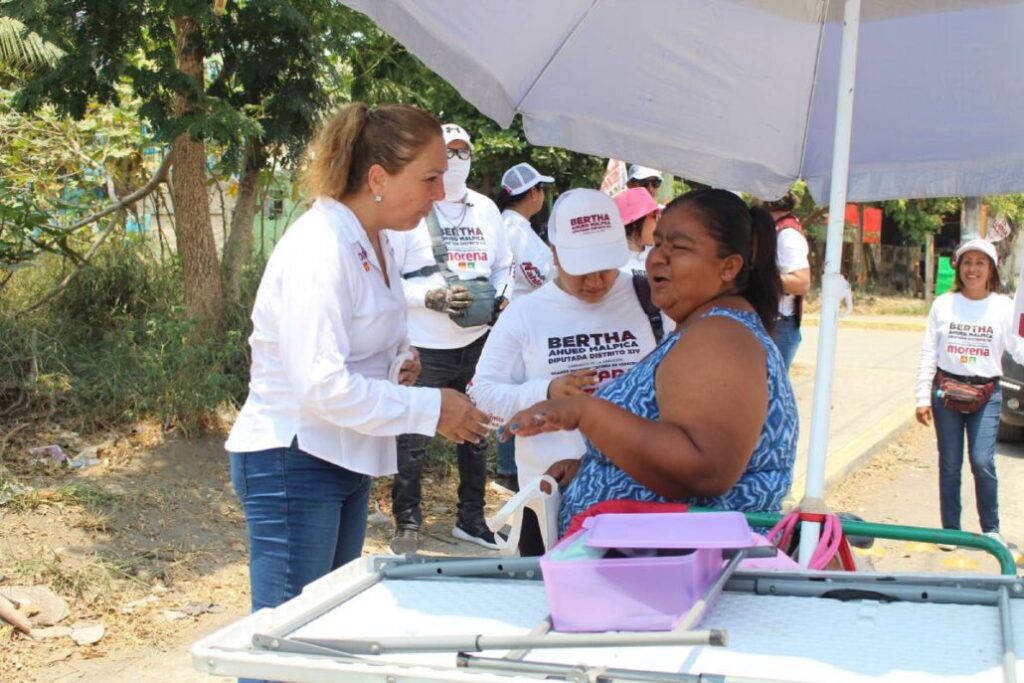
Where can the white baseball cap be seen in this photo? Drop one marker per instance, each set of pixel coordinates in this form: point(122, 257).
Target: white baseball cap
point(978, 244)
point(637, 172)
point(587, 232)
point(453, 132)
point(521, 178)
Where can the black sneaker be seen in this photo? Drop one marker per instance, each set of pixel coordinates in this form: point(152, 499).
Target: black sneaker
point(476, 533)
point(405, 541)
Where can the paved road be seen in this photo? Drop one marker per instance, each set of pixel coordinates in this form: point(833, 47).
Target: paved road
point(900, 486)
point(872, 397)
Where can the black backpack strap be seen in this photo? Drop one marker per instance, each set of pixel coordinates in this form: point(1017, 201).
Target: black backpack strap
point(642, 287)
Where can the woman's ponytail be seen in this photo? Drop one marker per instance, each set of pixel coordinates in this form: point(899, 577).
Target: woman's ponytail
point(357, 137)
point(330, 154)
point(764, 287)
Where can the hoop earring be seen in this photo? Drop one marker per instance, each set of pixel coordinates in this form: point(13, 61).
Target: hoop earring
point(377, 198)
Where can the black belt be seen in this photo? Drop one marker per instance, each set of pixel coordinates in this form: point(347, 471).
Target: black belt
point(969, 379)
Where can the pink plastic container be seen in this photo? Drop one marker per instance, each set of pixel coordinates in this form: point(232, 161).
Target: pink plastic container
point(638, 593)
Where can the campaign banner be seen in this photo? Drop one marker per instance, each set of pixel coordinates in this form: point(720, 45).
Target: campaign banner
point(614, 180)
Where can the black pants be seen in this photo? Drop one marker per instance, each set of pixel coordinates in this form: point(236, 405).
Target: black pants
point(451, 369)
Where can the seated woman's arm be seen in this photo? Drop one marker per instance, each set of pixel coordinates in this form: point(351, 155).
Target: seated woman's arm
point(712, 392)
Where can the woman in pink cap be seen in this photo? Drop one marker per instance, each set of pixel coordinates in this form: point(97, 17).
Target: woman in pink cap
point(968, 330)
point(640, 213)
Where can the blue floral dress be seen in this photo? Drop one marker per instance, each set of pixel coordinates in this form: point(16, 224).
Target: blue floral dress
point(761, 487)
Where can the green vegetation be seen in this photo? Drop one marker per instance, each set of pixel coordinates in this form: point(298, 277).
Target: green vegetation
point(107, 310)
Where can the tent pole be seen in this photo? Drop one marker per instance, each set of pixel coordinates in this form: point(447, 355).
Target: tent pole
point(831, 283)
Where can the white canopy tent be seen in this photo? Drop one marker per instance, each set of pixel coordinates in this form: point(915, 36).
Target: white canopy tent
point(751, 95)
point(742, 93)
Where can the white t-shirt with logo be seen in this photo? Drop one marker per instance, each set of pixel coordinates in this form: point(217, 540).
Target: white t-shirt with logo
point(637, 260)
point(966, 337)
point(477, 248)
point(534, 263)
point(548, 334)
point(791, 254)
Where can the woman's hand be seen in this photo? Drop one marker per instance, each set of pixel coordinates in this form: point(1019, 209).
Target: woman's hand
point(555, 415)
point(410, 371)
point(460, 420)
point(924, 415)
point(573, 384)
point(563, 472)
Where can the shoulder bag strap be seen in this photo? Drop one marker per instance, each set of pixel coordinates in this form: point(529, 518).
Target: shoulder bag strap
point(642, 287)
point(438, 246)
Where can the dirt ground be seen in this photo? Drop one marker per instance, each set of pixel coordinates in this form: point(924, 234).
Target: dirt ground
point(150, 543)
point(875, 304)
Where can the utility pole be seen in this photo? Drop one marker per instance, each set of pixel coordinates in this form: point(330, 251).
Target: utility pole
point(971, 219)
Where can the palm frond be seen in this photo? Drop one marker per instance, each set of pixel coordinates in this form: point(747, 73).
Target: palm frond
point(22, 48)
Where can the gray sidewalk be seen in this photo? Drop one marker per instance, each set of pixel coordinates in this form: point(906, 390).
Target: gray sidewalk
point(872, 390)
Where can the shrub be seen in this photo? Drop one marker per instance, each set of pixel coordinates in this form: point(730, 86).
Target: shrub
point(117, 346)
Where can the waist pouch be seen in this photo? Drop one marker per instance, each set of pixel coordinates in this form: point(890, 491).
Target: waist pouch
point(481, 311)
point(962, 396)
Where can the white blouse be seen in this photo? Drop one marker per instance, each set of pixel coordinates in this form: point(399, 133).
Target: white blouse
point(326, 328)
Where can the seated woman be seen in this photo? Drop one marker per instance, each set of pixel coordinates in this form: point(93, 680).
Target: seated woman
point(709, 417)
point(566, 338)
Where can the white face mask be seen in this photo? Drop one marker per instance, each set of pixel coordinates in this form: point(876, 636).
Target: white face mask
point(455, 179)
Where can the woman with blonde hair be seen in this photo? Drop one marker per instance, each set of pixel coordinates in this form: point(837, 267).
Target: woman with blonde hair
point(330, 380)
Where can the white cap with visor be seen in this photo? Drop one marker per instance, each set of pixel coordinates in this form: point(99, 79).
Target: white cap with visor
point(587, 232)
point(521, 178)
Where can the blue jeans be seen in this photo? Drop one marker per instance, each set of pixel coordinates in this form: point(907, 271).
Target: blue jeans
point(787, 337)
point(305, 517)
point(981, 428)
point(507, 458)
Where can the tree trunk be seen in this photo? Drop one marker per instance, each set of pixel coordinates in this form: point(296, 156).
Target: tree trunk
point(238, 247)
point(192, 226)
point(929, 270)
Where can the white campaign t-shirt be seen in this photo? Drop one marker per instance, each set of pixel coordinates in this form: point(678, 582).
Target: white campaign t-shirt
point(533, 262)
point(637, 261)
point(966, 337)
point(548, 334)
point(477, 247)
point(791, 255)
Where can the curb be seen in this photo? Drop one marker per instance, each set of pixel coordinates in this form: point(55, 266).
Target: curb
point(898, 326)
point(856, 454)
